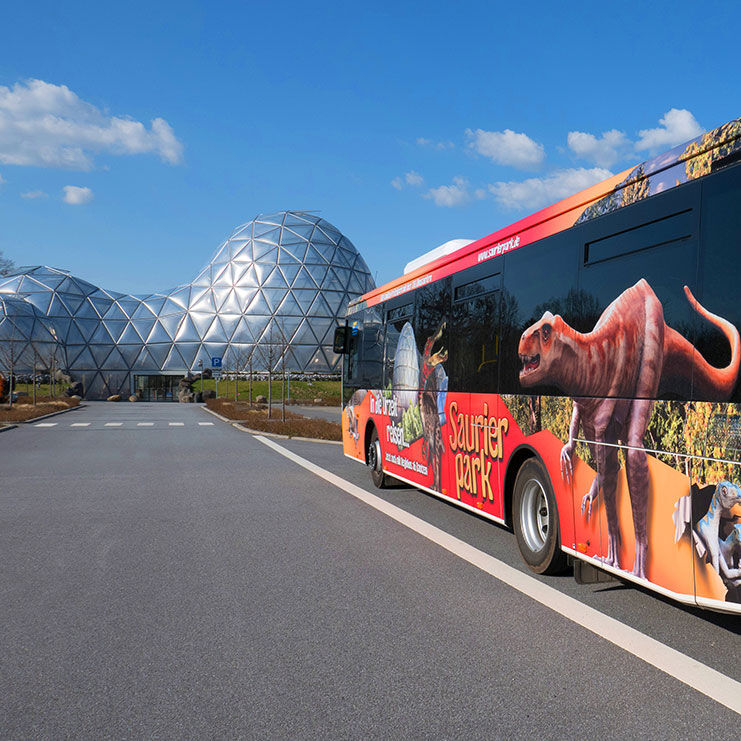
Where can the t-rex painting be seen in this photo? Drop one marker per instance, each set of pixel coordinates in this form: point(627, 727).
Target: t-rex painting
point(613, 375)
point(432, 445)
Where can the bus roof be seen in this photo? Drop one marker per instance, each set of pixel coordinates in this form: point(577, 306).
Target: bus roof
point(698, 157)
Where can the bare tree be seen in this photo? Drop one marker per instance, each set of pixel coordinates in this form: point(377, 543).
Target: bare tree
point(13, 349)
point(240, 358)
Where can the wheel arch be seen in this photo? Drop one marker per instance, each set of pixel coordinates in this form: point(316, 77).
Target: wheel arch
point(370, 425)
point(518, 457)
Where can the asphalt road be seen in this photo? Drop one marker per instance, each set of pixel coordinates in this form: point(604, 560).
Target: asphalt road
point(166, 575)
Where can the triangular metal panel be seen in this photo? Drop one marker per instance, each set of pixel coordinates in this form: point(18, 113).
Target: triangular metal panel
point(145, 361)
point(287, 255)
point(303, 279)
point(260, 250)
point(143, 326)
point(214, 333)
point(159, 353)
point(274, 296)
point(114, 361)
point(101, 335)
point(335, 302)
point(115, 312)
point(304, 335)
point(129, 353)
point(82, 359)
point(101, 304)
point(314, 257)
point(181, 357)
point(244, 331)
point(170, 324)
point(289, 306)
point(205, 302)
point(229, 323)
point(187, 331)
point(100, 353)
point(258, 306)
point(71, 301)
point(129, 305)
point(304, 298)
point(275, 280)
point(319, 308)
point(202, 322)
point(231, 304)
point(181, 296)
point(151, 306)
point(130, 335)
point(115, 328)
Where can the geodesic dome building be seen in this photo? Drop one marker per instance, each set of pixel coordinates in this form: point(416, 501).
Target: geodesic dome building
point(274, 290)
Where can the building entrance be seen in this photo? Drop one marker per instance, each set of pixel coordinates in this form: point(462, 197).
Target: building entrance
point(156, 388)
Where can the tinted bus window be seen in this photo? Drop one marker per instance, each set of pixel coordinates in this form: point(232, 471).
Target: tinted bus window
point(474, 338)
point(537, 278)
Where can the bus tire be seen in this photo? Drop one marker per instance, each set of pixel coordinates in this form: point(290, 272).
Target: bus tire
point(535, 519)
point(375, 461)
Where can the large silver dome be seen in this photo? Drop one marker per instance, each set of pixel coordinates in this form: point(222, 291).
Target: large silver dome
point(278, 285)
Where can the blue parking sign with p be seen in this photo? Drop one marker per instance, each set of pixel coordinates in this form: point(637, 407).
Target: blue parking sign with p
point(216, 362)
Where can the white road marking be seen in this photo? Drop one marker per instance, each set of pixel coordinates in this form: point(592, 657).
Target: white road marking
point(689, 671)
point(145, 424)
point(206, 424)
point(177, 424)
point(113, 424)
point(80, 424)
point(46, 424)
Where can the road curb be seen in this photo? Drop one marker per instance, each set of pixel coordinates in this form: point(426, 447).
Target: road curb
point(43, 416)
point(238, 425)
point(5, 428)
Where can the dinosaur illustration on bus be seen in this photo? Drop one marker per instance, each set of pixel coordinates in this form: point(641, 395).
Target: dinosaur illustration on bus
point(613, 375)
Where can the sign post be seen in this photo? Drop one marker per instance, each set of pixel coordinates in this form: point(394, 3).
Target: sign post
point(216, 371)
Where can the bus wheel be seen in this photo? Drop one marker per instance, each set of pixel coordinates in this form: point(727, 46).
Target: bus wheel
point(375, 462)
point(536, 519)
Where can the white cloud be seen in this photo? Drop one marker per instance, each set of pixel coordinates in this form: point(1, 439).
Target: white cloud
point(77, 196)
point(34, 194)
point(410, 178)
point(605, 151)
point(48, 125)
point(535, 193)
point(450, 195)
point(677, 126)
point(433, 144)
point(506, 147)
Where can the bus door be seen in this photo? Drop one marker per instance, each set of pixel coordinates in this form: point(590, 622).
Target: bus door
point(472, 405)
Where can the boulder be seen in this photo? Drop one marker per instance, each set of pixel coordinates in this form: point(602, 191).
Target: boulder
point(317, 400)
point(261, 399)
point(114, 397)
point(186, 396)
point(133, 397)
point(209, 394)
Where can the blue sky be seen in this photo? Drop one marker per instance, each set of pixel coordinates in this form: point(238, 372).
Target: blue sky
point(135, 136)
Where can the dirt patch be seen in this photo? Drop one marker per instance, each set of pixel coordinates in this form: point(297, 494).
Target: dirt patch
point(24, 410)
point(256, 418)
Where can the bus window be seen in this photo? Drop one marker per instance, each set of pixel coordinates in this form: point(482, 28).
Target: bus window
point(537, 279)
point(474, 336)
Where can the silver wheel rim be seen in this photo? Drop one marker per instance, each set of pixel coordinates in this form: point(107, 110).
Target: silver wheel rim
point(374, 456)
point(534, 515)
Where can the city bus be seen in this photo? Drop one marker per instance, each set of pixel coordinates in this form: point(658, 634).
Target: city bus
point(575, 377)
